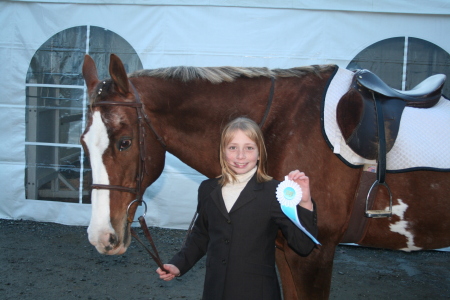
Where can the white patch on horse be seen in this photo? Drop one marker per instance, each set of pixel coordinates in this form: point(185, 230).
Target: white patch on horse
point(97, 142)
point(401, 227)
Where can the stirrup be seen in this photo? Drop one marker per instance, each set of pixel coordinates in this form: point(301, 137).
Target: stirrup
point(379, 213)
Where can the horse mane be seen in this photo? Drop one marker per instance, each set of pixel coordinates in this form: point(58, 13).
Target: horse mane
point(227, 74)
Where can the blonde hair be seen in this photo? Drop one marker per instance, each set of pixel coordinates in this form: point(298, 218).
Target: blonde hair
point(251, 130)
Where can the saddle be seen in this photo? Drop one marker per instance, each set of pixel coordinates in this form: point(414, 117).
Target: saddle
point(371, 103)
point(368, 116)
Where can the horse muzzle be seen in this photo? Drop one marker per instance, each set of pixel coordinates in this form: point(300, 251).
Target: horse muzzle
point(108, 242)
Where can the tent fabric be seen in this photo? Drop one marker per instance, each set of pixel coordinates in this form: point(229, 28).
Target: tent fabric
point(432, 7)
point(273, 34)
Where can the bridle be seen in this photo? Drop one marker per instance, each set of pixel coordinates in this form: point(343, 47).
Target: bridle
point(143, 120)
point(142, 116)
point(138, 191)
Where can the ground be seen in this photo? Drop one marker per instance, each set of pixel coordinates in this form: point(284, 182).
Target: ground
point(51, 261)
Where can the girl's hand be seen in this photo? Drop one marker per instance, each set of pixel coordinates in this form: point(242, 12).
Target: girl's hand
point(173, 272)
point(303, 181)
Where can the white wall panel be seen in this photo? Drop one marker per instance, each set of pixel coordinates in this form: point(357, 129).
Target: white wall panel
point(273, 34)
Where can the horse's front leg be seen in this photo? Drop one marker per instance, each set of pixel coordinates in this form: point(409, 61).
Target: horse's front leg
point(287, 281)
point(311, 275)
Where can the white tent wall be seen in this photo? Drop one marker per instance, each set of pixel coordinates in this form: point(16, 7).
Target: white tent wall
point(273, 34)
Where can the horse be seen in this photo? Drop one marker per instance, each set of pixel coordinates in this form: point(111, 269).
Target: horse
point(134, 119)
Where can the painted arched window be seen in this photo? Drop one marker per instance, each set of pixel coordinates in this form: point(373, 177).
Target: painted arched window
point(403, 62)
point(56, 103)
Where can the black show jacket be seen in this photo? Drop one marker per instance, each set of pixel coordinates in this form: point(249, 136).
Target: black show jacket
point(240, 244)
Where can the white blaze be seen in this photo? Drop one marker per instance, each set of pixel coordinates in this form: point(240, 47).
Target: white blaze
point(97, 142)
point(401, 226)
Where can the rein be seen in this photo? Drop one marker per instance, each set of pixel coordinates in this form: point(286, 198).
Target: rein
point(269, 102)
point(142, 116)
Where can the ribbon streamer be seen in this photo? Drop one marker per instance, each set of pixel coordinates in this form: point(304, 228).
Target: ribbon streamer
point(289, 194)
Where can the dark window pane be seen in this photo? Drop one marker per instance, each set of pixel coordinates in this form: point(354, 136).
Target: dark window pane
point(58, 110)
point(426, 59)
point(387, 59)
point(53, 173)
point(102, 43)
point(54, 113)
point(384, 58)
point(59, 60)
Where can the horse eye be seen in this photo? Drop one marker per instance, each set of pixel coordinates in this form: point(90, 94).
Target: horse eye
point(124, 144)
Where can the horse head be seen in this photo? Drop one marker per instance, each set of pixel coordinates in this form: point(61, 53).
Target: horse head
point(125, 155)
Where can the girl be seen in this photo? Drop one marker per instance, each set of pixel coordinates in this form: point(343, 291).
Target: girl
point(238, 220)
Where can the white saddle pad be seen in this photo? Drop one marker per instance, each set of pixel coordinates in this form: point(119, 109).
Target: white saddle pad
point(423, 141)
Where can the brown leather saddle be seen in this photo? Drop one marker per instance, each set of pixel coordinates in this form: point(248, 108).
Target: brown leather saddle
point(370, 103)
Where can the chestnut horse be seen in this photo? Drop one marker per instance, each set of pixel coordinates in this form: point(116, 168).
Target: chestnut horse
point(134, 119)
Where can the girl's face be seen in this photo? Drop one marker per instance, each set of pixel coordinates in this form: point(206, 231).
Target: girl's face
point(241, 154)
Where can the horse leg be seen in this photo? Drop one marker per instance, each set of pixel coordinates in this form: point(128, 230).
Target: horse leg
point(287, 281)
point(311, 274)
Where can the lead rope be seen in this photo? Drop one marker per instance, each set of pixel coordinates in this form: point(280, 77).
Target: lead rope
point(190, 228)
point(147, 234)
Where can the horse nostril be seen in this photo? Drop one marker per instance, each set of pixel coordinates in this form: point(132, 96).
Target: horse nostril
point(112, 242)
point(113, 239)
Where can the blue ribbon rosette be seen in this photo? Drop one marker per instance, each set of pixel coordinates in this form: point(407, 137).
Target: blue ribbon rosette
point(289, 194)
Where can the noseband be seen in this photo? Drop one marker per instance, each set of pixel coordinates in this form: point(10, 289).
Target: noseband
point(138, 191)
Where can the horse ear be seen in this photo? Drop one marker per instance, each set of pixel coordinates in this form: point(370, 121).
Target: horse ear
point(90, 73)
point(118, 74)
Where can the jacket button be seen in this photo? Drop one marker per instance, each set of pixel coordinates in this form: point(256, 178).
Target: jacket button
point(227, 241)
point(224, 261)
point(229, 221)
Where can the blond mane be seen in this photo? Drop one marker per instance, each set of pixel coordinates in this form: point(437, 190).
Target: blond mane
point(224, 74)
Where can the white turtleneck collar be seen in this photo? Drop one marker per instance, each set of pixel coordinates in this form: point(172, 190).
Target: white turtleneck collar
point(231, 191)
point(244, 178)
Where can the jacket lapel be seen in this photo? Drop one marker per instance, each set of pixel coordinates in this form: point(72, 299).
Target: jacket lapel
point(216, 195)
point(248, 194)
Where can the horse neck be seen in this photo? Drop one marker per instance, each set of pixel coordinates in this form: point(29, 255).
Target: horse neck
point(189, 116)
